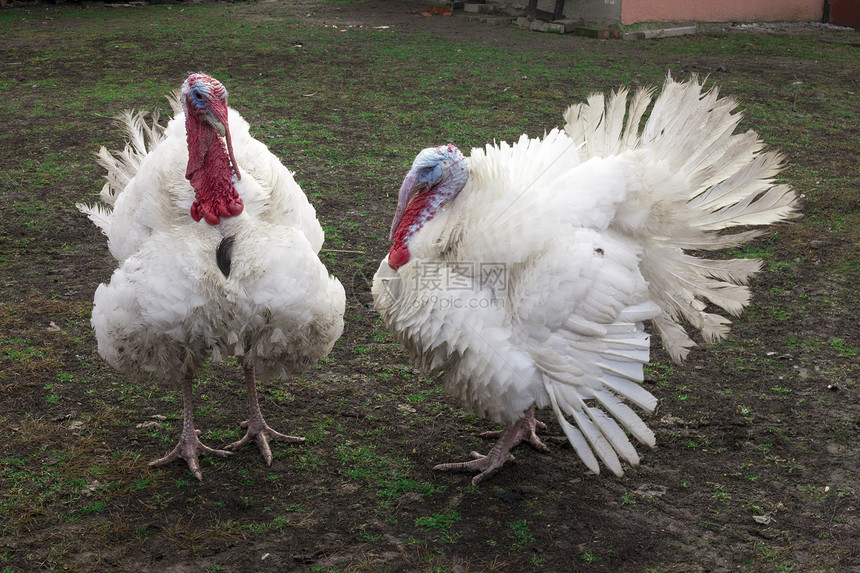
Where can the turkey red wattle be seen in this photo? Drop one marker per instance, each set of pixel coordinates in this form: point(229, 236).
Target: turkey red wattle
point(437, 176)
point(211, 175)
point(211, 163)
point(417, 213)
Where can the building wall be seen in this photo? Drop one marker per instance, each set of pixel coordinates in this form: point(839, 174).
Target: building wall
point(592, 11)
point(633, 11)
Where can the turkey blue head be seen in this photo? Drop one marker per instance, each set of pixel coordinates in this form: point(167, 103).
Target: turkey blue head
point(438, 174)
point(211, 163)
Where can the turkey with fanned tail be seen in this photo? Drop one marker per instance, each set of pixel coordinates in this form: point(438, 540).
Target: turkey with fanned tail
point(217, 250)
point(524, 273)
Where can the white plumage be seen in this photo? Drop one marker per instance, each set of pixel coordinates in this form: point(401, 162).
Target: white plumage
point(250, 286)
point(529, 282)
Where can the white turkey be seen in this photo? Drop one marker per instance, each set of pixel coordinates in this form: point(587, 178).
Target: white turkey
point(217, 249)
point(524, 273)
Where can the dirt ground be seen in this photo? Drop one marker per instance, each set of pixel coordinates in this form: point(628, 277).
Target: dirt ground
point(756, 467)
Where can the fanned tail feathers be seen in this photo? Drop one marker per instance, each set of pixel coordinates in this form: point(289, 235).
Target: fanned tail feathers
point(614, 374)
point(717, 181)
point(122, 166)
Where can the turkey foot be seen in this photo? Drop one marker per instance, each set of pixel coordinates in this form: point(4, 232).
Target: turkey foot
point(523, 429)
point(258, 429)
point(260, 432)
point(527, 432)
point(189, 446)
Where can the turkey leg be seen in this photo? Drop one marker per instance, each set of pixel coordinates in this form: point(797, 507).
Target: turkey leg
point(258, 429)
point(189, 446)
point(523, 429)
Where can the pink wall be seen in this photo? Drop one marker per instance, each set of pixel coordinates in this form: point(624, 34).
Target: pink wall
point(633, 11)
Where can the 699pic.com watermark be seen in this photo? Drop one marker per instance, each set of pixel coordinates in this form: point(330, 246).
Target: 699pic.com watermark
point(477, 285)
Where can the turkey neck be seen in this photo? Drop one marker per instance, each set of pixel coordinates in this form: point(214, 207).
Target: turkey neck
point(210, 173)
point(421, 209)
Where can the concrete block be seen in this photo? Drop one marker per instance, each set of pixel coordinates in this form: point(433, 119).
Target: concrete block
point(569, 25)
point(669, 32)
point(557, 27)
point(660, 33)
point(497, 20)
point(477, 8)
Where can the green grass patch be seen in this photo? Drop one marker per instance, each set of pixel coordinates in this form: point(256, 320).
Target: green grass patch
point(390, 476)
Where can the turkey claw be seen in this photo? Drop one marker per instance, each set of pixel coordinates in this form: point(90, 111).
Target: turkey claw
point(523, 429)
point(262, 434)
point(527, 431)
point(189, 449)
point(485, 465)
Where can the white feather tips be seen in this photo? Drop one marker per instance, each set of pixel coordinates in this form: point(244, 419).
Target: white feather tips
point(100, 215)
point(609, 372)
point(122, 166)
point(693, 182)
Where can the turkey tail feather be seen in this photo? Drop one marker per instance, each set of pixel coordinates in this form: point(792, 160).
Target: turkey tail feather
point(122, 166)
point(100, 215)
point(697, 181)
point(608, 376)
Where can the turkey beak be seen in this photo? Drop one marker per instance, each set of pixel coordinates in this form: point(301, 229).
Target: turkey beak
point(411, 186)
point(217, 118)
